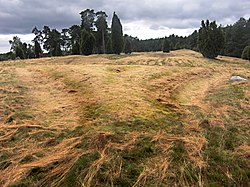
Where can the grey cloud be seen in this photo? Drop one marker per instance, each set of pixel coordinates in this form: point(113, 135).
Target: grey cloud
point(20, 16)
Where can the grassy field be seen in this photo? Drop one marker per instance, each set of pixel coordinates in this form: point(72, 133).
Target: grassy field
point(146, 119)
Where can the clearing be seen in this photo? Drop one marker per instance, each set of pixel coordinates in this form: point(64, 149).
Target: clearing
point(146, 119)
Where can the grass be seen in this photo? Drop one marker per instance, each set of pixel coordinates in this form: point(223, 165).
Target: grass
point(118, 120)
point(74, 176)
point(226, 167)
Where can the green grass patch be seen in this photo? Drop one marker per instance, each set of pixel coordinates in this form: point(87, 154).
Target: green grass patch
point(117, 57)
point(225, 167)
point(229, 95)
point(75, 175)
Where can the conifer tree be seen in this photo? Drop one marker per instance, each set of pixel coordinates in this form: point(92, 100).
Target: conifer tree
point(210, 40)
point(87, 42)
point(109, 49)
point(102, 31)
point(88, 17)
point(116, 35)
point(246, 53)
point(76, 48)
point(128, 47)
point(166, 46)
point(37, 49)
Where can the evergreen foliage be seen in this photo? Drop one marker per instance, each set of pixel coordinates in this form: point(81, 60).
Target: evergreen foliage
point(166, 46)
point(102, 31)
point(19, 52)
point(38, 50)
point(127, 47)
point(116, 35)
point(237, 36)
point(76, 49)
point(109, 46)
point(246, 53)
point(88, 18)
point(17, 47)
point(210, 40)
point(87, 42)
point(177, 46)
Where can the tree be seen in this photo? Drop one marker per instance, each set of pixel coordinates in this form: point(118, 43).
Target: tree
point(88, 17)
point(246, 53)
point(116, 35)
point(76, 48)
point(101, 33)
point(109, 46)
point(66, 42)
point(128, 46)
point(24, 47)
point(75, 38)
point(191, 41)
point(37, 40)
point(177, 46)
point(166, 46)
point(30, 51)
point(17, 47)
point(37, 49)
point(52, 41)
point(210, 40)
point(236, 37)
point(87, 42)
point(19, 52)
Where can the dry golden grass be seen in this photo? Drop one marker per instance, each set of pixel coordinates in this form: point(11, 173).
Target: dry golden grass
point(128, 120)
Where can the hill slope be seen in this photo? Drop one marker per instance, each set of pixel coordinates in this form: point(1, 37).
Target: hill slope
point(138, 120)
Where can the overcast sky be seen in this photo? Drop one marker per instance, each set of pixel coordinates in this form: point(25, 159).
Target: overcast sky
point(144, 18)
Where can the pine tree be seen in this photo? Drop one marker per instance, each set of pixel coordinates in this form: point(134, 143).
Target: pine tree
point(166, 46)
point(102, 31)
point(128, 47)
point(116, 35)
point(210, 40)
point(19, 52)
point(38, 49)
point(109, 47)
point(245, 54)
point(76, 49)
point(88, 17)
point(177, 46)
point(87, 42)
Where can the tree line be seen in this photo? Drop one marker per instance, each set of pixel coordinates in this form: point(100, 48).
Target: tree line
point(93, 35)
point(231, 40)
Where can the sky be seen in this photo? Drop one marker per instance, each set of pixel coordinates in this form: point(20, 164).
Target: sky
point(142, 18)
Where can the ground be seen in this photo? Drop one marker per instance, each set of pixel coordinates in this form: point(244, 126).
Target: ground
point(146, 119)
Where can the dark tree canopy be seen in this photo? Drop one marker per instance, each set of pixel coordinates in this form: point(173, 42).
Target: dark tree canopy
point(102, 31)
point(88, 18)
point(211, 39)
point(101, 39)
point(127, 46)
point(17, 47)
point(166, 46)
point(246, 53)
point(109, 46)
point(87, 42)
point(38, 49)
point(237, 37)
point(116, 35)
point(76, 48)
